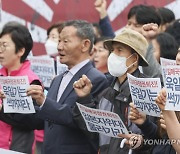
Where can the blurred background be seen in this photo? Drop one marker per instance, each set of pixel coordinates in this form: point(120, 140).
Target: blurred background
point(38, 15)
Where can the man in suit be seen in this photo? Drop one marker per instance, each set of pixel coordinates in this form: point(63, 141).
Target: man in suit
point(61, 133)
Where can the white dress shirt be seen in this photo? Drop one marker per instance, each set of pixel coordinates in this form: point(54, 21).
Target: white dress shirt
point(67, 77)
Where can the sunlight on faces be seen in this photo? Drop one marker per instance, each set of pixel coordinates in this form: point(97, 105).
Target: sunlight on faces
point(8, 57)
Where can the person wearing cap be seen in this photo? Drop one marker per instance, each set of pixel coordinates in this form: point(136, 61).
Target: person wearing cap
point(163, 130)
point(128, 50)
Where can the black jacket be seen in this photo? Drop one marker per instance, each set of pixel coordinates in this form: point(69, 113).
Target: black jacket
point(115, 98)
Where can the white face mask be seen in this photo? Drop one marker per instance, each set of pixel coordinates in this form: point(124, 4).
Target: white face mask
point(51, 47)
point(117, 65)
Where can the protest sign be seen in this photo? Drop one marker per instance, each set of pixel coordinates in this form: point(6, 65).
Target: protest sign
point(16, 101)
point(104, 122)
point(61, 68)
point(165, 62)
point(44, 68)
point(144, 92)
point(172, 84)
point(4, 151)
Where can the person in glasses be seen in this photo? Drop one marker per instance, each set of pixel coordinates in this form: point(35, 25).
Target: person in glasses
point(15, 44)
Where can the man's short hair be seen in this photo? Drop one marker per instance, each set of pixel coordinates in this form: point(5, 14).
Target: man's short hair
point(84, 30)
point(144, 14)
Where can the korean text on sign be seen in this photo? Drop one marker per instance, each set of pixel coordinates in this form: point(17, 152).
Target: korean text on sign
point(144, 92)
point(172, 84)
point(44, 68)
point(16, 100)
point(105, 122)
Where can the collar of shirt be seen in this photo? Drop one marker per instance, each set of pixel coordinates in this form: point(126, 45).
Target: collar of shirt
point(67, 78)
point(116, 86)
point(77, 67)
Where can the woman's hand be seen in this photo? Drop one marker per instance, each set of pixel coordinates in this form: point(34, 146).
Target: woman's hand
point(135, 116)
point(161, 99)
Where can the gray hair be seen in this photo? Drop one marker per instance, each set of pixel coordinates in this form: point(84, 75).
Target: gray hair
point(84, 30)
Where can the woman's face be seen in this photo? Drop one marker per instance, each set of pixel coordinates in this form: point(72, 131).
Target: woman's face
point(100, 57)
point(54, 35)
point(8, 57)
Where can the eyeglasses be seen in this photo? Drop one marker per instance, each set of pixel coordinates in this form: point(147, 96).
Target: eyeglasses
point(3, 47)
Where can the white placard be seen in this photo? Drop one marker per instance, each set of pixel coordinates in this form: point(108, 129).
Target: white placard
point(144, 92)
point(165, 62)
point(16, 101)
point(101, 121)
point(171, 77)
point(44, 68)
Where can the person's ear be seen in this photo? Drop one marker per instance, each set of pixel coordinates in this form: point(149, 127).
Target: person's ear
point(86, 45)
point(21, 52)
point(136, 57)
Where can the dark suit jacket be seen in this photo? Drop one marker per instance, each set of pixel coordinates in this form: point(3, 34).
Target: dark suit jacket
point(61, 133)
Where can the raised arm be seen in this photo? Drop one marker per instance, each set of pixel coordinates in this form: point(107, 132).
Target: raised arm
point(104, 23)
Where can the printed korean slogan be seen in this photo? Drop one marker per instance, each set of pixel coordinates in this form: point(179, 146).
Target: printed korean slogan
point(16, 100)
point(172, 84)
point(44, 68)
point(105, 122)
point(144, 92)
point(166, 62)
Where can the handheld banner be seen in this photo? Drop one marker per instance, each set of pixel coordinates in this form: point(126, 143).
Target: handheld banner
point(144, 92)
point(16, 100)
point(105, 122)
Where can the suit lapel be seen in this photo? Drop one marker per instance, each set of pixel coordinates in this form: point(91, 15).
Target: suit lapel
point(76, 77)
point(56, 84)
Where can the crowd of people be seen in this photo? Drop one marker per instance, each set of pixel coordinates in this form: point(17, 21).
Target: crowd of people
point(98, 62)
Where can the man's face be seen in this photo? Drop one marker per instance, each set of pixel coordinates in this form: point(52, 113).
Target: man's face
point(69, 47)
point(123, 50)
point(132, 23)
